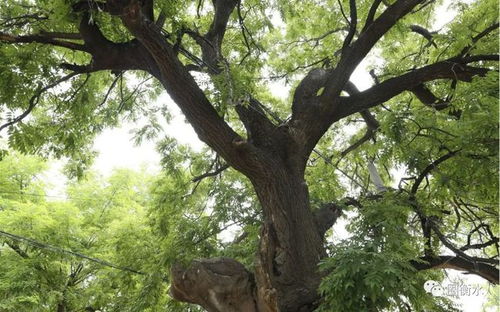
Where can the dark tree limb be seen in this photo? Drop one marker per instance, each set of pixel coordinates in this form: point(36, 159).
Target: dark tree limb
point(488, 272)
point(210, 174)
point(428, 98)
point(492, 241)
point(182, 87)
point(424, 33)
point(311, 124)
point(353, 22)
point(428, 169)
point(326, 216)
point(454, 68)
point(62, 35)
point(43, 39)
point(481, 245)
point(371, 14)
point(260, 130)
point(211, 42)
point(474, 265)
point(218, 285)
point(478, 37)
point(365, 42)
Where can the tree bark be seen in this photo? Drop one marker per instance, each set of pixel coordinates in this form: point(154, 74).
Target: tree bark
point(290, 246)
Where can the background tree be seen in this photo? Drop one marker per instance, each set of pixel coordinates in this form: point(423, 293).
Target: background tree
point(431, 112)
point(84, 254)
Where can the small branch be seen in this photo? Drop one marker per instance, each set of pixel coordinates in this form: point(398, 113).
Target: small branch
point(352, 25)
point(453, 68)
point(34, 100)
point(210, 174)
point(493, 238)
point(478, 37)
point(23, 20)
point(161, 19)
point(480, 246)
point(111, 87)
point(371, 122)
point(328, 160)
point(428, 169)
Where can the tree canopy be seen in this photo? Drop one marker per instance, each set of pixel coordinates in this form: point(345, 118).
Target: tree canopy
point(409, 163)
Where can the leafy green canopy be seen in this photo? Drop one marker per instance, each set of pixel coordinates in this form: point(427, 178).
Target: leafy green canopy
point(104, 220)
point(279, 40)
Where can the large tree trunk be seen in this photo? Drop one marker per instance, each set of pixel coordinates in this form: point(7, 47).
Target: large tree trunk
point(286, 275)
point(290, 244)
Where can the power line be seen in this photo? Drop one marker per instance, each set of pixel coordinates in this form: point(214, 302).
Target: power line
point(49, 196)
point(56, 249)
point(33, 194)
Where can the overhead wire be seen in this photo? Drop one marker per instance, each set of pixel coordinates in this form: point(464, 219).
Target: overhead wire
point(56, 249)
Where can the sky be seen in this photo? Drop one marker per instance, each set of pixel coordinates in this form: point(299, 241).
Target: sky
point(116, 150)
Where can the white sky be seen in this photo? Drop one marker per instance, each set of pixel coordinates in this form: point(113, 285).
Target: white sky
point(116, 149)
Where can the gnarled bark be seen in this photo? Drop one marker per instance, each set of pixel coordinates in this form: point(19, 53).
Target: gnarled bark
point(218, 285)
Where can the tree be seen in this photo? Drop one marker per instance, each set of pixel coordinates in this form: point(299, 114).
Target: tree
point(52, 251)
point(431, 112)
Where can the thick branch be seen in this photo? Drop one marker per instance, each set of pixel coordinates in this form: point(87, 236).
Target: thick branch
point(365, 42)
point(326, 216)
point(218, 285)
point(488, 272)
point(424, 33)
point(352, 24)
point(312, 124)
point(428, 98)
point(107, 55)
point(371, 14)
point(454, 68)
point(211, 42)
point(210, 127)
point(260, 130)
point(43, 39)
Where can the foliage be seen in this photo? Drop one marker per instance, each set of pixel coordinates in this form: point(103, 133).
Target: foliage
point(102, 219)
point(437, 159)
point(371, 270)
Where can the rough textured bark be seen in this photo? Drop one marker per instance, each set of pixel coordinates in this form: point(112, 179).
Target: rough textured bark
point(218, 285)
point(290, 244)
